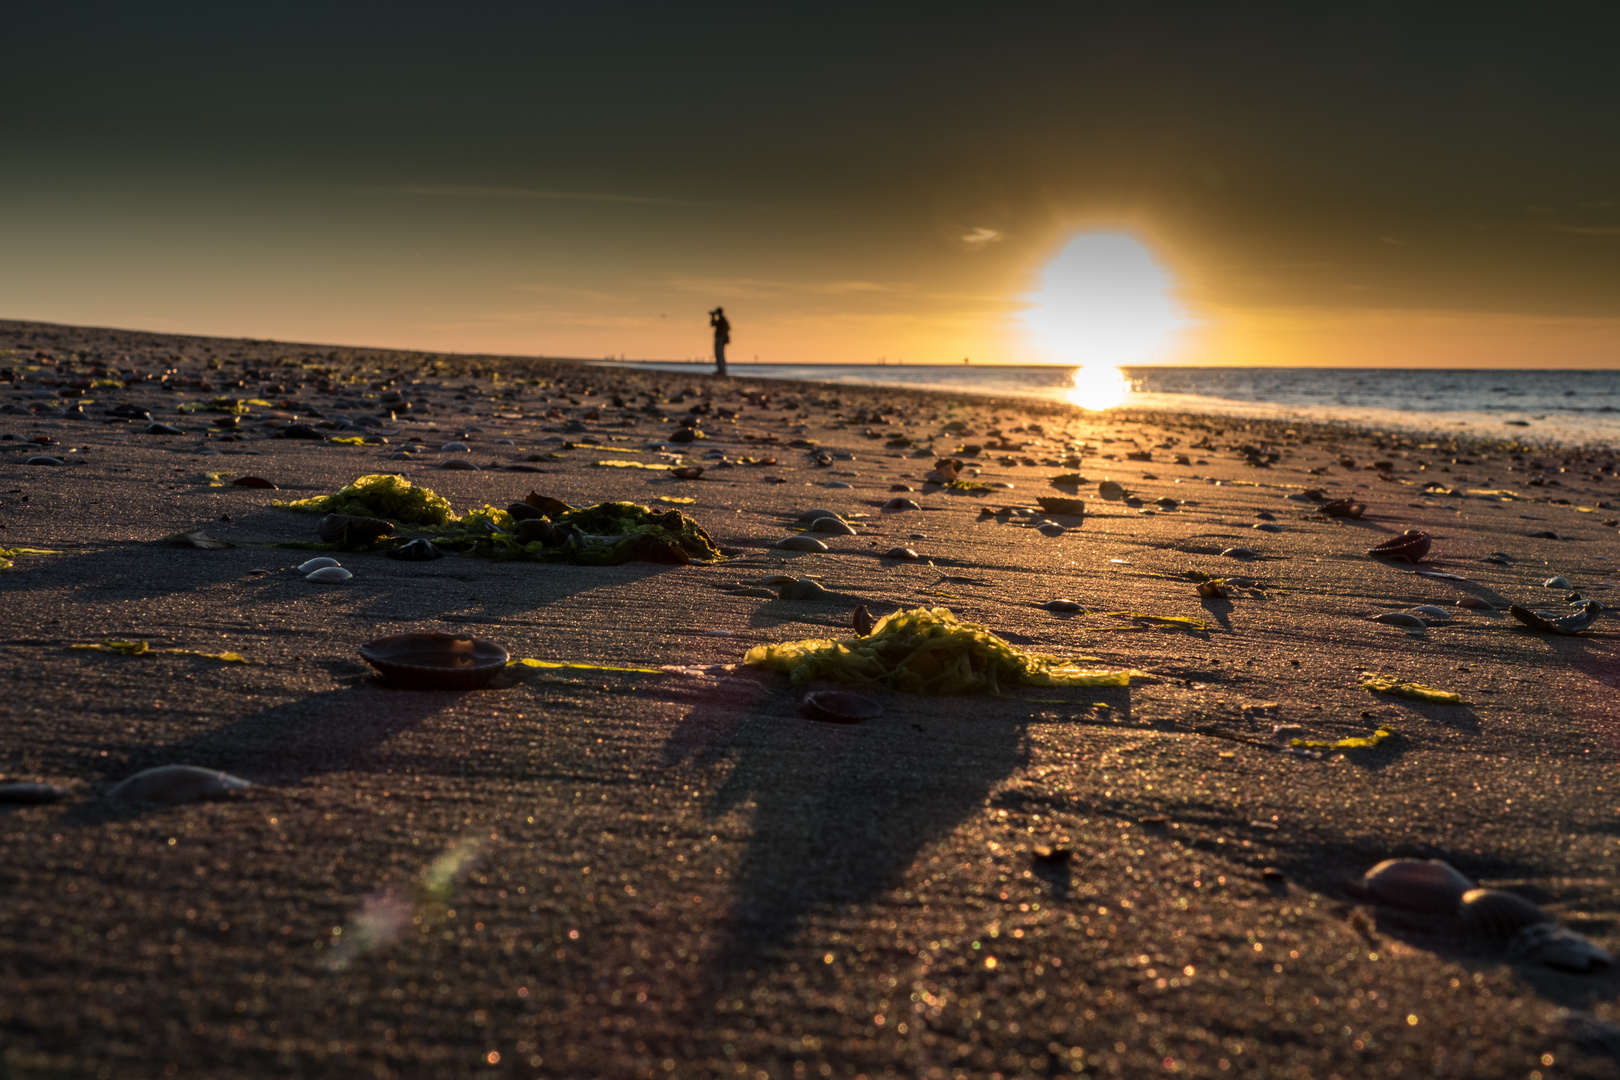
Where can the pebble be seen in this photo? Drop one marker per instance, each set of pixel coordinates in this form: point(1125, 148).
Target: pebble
point(800, 543)
point(44, 459)
point(459, 463)
point(832, 525)
point(171, 785)
point(1240, 553)
point(896, 505)
point(1050, 528)
point(900, 553)
point(22, 792)
point(163, 429)
point(328, 575)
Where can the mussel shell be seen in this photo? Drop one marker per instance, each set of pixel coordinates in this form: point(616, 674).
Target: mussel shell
point(1410, 546)
point(174, 784)
point(416, 551)
point(1416, 884)
point(347, 529)
point(1573, 623)
point(1494, 915)
point(435, 661)
point(839, 707)
point(25, 792)
point(1557, 947)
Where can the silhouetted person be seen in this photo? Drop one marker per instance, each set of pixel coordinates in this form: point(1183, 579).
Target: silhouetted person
point(722, 338)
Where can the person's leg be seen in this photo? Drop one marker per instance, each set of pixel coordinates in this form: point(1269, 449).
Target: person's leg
point(719, 357)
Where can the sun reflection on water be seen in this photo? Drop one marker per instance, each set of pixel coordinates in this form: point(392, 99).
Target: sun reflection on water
point(1098, 386)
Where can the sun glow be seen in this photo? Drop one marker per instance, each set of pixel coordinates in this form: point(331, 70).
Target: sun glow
point(1098, 386)
point(1103, 302)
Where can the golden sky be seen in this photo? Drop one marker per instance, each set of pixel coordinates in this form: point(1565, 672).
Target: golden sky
point(1332, 185)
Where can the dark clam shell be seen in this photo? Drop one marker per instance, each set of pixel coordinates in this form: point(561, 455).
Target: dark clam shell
point(1494, 915)
point(417, 551)
point(832, 526)
point(839, 707)
point(687, 472)
point(1410, 546)
point(346, 529)
point(1557, 947)
point(435, 661)
point(861, 621)
point(171, 785)
point(1416, 884)
point(1343, 508)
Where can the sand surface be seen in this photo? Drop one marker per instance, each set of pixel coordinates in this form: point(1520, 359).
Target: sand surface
point(580, 872)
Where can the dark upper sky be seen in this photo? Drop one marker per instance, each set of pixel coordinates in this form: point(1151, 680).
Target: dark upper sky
point(850, 180)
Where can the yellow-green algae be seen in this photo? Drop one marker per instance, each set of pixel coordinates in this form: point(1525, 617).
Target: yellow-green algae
point(928, 651)
point(381, 496)
point(1415, 691)
point(1356, 742)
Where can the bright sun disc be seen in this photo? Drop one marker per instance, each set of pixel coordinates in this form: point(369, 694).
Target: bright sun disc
point(1102, 303)
point(1098, 386)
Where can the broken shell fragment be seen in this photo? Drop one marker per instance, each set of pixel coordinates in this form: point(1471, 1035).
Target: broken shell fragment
point(1494, 915)
point(1416, 884)
point(316, 564)
point(434, 661)
point(170, 785)
point(347, 529)
point(1552, 623)
point(329, 575)
point(1410, 546)
point(800, 543)
point(839, 707)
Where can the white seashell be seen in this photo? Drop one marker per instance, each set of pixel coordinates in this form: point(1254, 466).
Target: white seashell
point(328, 575)
point(1416, 884)
point(1430, 613)
point(1402, 620)
point(316, 564)
point(1557, 583)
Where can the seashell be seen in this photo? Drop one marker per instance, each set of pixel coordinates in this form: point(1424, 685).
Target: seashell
point(522, 511)
point(1401, 619)
point(22, 792)
point(861, 621)
point(841, 484)
point(1050, 528)
point(1543, 534)
point(774, 581)
point(839, 707)
point(1476, 604)
point(901, 487)
point(1410, 546)
point(1416, 884)
point(803, 589)
point(1557, 583)
point(684, 435)
point(170, 785)
point(1057, 504)
point(832, 525)
point(1067, 607)
point(1165, 502)
point(800, 543)
point(1110, 489)
point(346, 529)
point(456, 446)
point(433, 661)
point(253, 482)
point(546, 504)
point(1212, 590)
point(1497, 916)
point(197, 538)
point(316, 564)
point(1343, 508)
point(1240, 553)
point(44, 459)
point(687, 472)
point(299, 431)
point(1431, 614)
point(1133, 502)
point(163, 429)
point(1557, 947)
point(1266, 526)
point(329, 575)
point(811, 515)
point(897, 504)
point(900, 553)
point(417, 551)
point(1553, 623)
point(459, 463)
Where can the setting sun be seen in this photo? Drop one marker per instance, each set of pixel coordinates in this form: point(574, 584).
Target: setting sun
point(1104, 300)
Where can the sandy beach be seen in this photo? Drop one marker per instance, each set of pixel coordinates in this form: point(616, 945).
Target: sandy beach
point(585, 871)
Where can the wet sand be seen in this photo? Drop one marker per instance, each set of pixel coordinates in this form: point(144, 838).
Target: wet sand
point(585, 872)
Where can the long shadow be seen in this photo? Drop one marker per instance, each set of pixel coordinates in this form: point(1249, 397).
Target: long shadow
point(841, 810)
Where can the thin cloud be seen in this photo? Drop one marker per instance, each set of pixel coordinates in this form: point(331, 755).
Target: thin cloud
point(982, 237)
point(475, 191)
point(1590, 230)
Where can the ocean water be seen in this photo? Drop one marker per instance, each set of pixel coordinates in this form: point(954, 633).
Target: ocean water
point(1565, 408)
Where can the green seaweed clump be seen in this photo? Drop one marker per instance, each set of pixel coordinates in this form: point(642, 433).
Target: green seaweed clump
point(928, 651)
point(380, 496)
point(606, 534)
